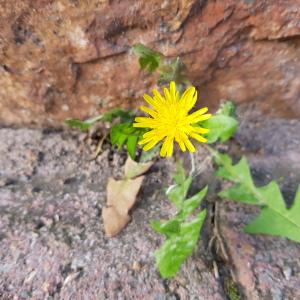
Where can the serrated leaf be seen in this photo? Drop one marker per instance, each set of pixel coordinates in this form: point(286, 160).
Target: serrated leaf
point(189, 205)
point(239, 193)
point(178, 247)
point(244, 190)
point(168, 228)
point(148, 58)
point(180, 174)
point(222, 125)
point(239, 172)
point(275, 218)
point(178, 193)
point(182, 235)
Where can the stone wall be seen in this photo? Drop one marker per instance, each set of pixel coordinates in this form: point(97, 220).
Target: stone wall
point(71, 58)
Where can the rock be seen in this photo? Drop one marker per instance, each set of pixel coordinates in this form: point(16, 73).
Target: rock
point(61, 59)
point(287, 272)
point(261, 264)
point(71, 258)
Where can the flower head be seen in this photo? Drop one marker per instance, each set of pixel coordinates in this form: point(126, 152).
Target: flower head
point(169, 120)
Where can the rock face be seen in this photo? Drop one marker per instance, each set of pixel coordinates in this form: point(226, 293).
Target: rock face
point(72, 58)
point(52, 241)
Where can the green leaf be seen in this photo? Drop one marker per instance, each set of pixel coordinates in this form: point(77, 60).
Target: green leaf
point(239, 193)
point(275, 218)
point(180, 174)
point(189, 205)
point(179, 247)
point(222, 125)
point(174, 70)
point(131, 145)
point(168, 228)
point(148, 58)
point(82, 125)
point(182, 235)
point(178, 192)
point(124, 115)
point(227, 109)
point(125, 133)
point(221, 128)
point(239, 172)
point(244, 191)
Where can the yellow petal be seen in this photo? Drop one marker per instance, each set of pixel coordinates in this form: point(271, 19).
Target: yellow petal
point(149, 111)
point(198, 137)
point(150, 145)
point(200, 130)
point(191, 102)
point(198, 113)
point(189, 145)
point(169, 120)
point(167, 95)
point(173, 89)
point(170, 148)
point(151, 101)
point(201, 118)
point(145, 141)
point(167, 147)
point(158, 97)
point(186, 95)
point(144, 123)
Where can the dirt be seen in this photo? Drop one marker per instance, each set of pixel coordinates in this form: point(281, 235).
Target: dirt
point(52, 239)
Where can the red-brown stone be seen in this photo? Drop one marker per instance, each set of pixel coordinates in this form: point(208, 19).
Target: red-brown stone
point(61, 59)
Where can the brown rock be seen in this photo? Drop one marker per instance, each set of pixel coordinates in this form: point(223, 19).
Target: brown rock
point(61, 59)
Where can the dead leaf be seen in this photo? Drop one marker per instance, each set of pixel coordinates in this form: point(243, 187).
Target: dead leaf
point(133, 169)
point(121, 196)
point(122, 193)
point(113, 221)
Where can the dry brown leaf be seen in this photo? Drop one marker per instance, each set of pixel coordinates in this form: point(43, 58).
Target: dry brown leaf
point(133, 169)
point(113, 221)
point(121, 196)
point(122, 193)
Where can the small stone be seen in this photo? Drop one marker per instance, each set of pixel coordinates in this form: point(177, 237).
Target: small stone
point(287, 272)
point(277, 294)
point(136, 266)
point(78, 264)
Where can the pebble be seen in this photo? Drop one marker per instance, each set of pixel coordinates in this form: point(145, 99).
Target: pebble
point(287, 272)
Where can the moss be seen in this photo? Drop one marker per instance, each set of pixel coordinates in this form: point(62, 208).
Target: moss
point(231, 289)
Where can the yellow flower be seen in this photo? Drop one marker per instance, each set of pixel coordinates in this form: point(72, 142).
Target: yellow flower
point(169, 120)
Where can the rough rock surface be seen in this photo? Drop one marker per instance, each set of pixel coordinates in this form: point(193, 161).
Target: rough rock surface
point(265, 267)
point(53, 245)
point(52, 237)
point(66, 58)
